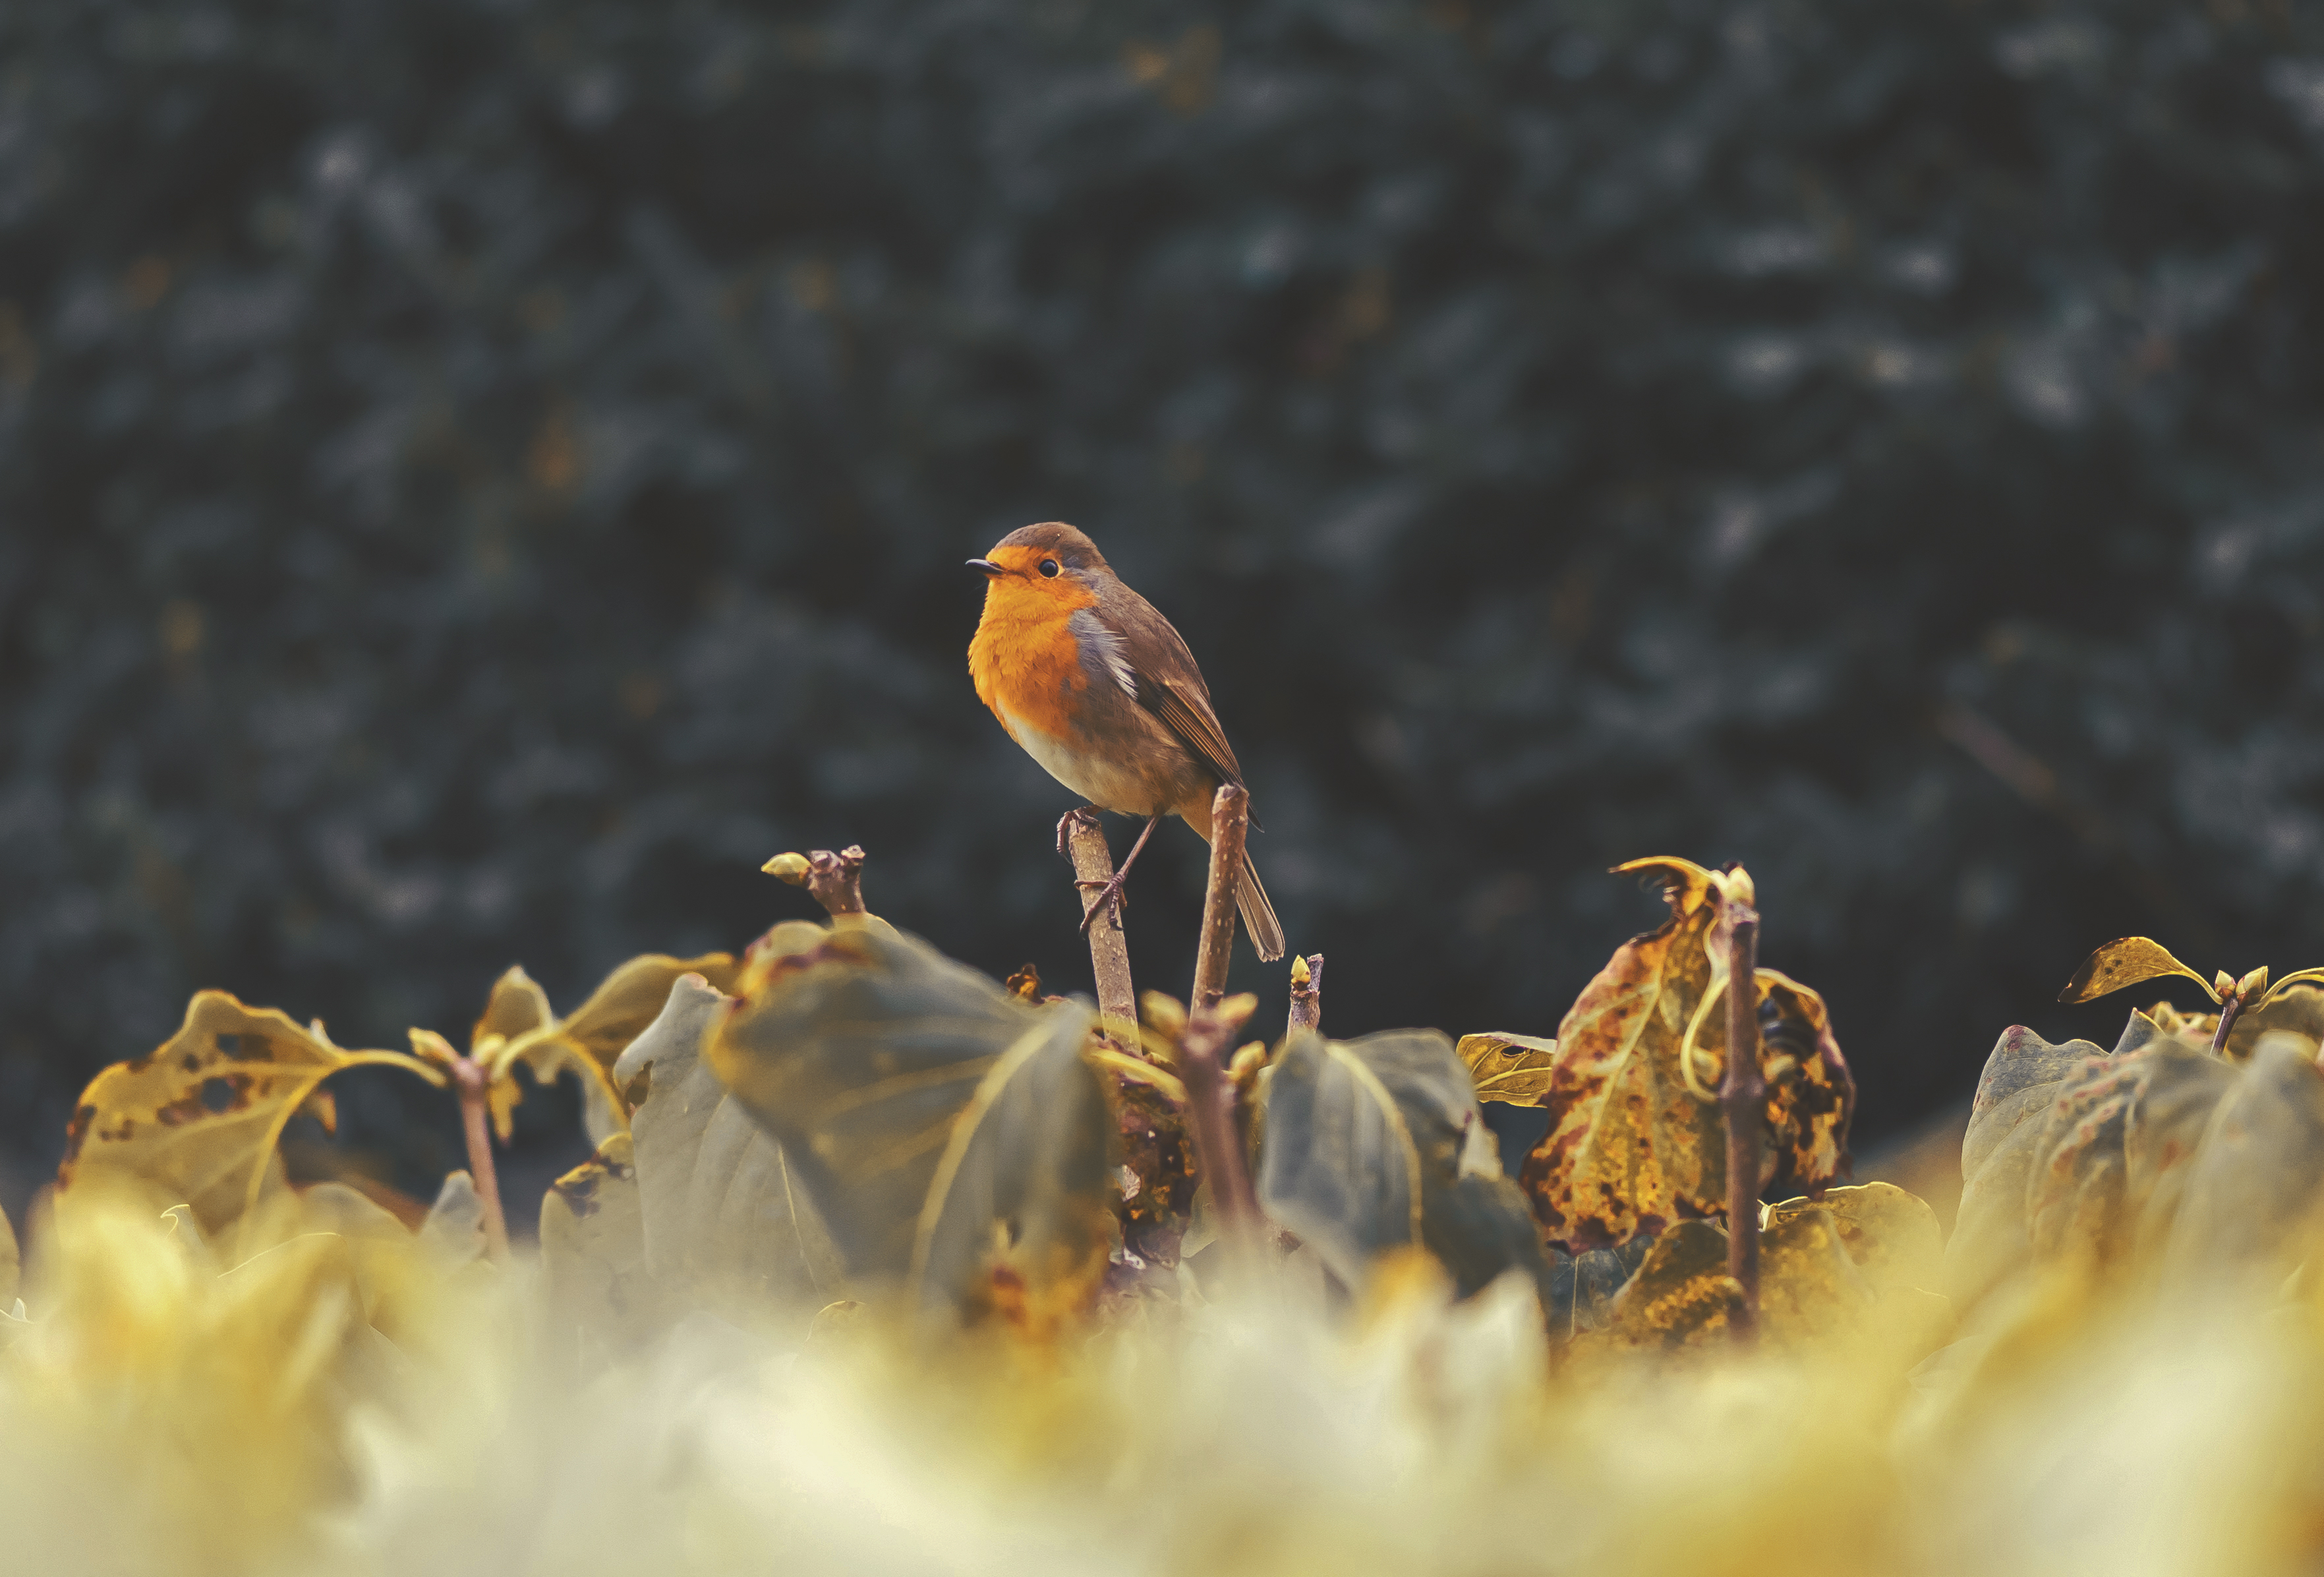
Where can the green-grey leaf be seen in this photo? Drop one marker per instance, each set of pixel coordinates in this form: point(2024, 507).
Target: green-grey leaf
point(920, 1103)
point(1377, 1143)
point(2258, 1179)
point(592, 1247)
point(727, 1225)
point(2014, 1094)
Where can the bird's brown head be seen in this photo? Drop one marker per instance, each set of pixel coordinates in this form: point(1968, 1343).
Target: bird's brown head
point(1050, 563)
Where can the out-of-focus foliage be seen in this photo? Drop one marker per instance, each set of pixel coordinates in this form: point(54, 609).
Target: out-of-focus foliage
point(454, 455)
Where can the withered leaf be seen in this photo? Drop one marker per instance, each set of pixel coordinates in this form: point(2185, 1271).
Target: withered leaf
point(1513, 1069)
point(1635, 1141)
point(1377, 1144)
point(726, 1224)
point(199, 1118)
point(2123, 961)
point(941, 1125)
point(592, 1249)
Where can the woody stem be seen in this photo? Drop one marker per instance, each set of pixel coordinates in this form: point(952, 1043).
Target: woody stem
point(1230, 824)
point(1743, 1101)
point(473, 1082)
point(2231, 1008)
point(1202, 1056)
point(1117, 1002)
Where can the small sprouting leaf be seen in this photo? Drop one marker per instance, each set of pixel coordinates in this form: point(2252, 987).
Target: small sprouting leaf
point(724, 1216)
point(1513, 1069)
point(1377, 1144)
point(199, 1118)
point(922, 1106)
point(518, 1026)
point(2126, 962)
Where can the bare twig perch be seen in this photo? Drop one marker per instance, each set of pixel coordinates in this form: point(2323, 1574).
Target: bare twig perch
point(1202, 1058)
point(1743, 1101)
point(1211, 1026)
point(1117, 1003)
point(835, 880)
point(1230, 824)
point(1306, 992)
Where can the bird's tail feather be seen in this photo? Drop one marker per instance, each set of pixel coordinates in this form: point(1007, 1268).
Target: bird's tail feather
point(1259, 915)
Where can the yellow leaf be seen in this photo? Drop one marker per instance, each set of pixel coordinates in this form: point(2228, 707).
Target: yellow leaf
point(519, 1026)
point(9, 1264)
point(199, 1118)
point(2125, 962)
point(1513, 1069)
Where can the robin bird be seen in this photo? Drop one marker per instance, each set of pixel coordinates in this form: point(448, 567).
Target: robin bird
point(1099, 688)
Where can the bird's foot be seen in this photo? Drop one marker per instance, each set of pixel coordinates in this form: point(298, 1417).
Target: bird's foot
point(1084, 815)
point(1109, 897)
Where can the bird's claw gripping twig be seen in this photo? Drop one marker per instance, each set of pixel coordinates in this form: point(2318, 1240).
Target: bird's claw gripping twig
point(1109, 897)
point(1080, 815)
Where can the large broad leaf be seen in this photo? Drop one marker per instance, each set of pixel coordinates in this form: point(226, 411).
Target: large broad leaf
point(2112, 1159)
point(200, 1119)
point(2075, 1153)
point(948, 1132)
point(592, 1247)
point(2255, 1186)
point(727, 1224)
point(1513, 1069)
point(518, 1027)
point(1377, 1144)
point(1854, 1258)
point(2006, 1119)
point(1635, 1139)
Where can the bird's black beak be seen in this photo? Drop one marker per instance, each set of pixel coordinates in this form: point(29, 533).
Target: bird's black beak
point(985, 565)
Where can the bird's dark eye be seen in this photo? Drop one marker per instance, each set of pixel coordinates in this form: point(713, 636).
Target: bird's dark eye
point(1049, 568)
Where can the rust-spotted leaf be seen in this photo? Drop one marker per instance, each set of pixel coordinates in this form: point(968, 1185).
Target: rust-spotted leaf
point(199, 1119)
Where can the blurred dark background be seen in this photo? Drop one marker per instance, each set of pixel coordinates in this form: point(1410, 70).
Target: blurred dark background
point(479, 476)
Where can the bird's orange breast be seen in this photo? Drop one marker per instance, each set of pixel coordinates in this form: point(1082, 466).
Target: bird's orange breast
point(1025, 659)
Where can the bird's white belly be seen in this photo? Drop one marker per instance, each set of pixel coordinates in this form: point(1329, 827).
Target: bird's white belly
point(1085, 773)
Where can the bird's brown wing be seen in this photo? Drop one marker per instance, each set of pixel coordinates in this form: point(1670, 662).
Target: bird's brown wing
point(1169, 685)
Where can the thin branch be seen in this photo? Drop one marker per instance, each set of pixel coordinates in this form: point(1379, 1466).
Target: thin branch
point(1743, 1101)
point(474, 1084)
point(1202, 1059)
point(1117, 1002)
point(1306, 992)
point(834, 880)
point(1229, 823)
